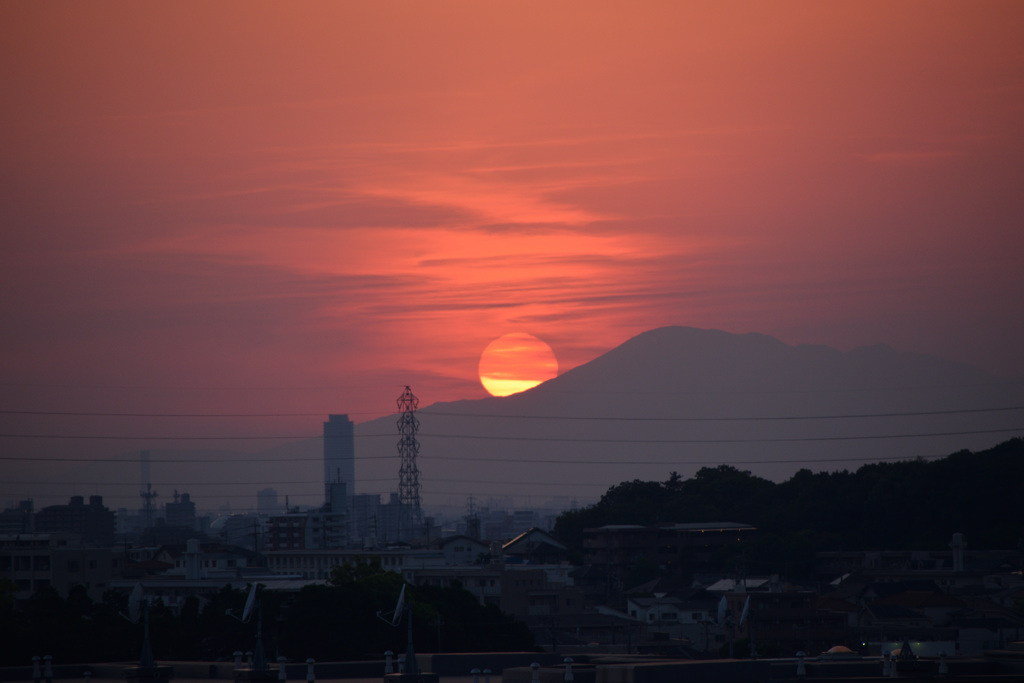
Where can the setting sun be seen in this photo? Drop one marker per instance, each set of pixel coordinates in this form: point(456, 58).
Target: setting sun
point(516, 362)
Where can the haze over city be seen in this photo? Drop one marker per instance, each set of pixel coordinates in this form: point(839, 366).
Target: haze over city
point(223, 222)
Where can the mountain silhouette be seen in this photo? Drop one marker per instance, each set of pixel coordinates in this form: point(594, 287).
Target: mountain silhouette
point(673, 399)
point(676, 399)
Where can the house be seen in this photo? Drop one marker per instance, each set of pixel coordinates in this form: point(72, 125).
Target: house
point(482, 580)
point(196, 560)
point(463, 550)
point(539, 593)
point(535, 546)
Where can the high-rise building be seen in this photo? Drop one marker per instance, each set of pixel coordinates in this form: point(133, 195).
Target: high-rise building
point(339, 454)
point(266, 502)
point(364, 510)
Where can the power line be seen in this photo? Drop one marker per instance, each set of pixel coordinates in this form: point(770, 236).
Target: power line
point(714, 441)
point(965, 411)
point(121, 437)
point(135, 461)
point(552, 439)
point(182, 485)
point(429, 480)
point(540, 461)
point(543, 389)
point(58, 413)
point(613, 418)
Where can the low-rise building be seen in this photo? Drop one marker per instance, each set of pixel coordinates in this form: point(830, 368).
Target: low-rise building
point(196, 560)
point(315, 564)
point(789, 621)
point(59, 561)
point(483, 581)
point(679, 549)
point(94, 524)
point(535, 546)
point(463, 550)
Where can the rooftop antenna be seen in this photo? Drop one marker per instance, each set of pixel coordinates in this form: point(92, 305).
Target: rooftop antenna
point(147, 493)
point(408, 448)
point(472, 520)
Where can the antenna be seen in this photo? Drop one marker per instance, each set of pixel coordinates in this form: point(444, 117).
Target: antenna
point(472, 520)
point(147, 493)
point(408, 448)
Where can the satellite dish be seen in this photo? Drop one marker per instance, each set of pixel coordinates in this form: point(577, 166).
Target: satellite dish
point(135, 604)
point(398, 607)
point(396, 616)
point(250, 602)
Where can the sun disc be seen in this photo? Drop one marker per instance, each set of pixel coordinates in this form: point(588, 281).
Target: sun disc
point(516, 362)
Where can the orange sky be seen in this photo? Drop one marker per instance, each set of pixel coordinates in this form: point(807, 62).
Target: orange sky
point(306, 206)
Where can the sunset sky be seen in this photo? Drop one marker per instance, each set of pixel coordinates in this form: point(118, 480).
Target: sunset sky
point(303, 207)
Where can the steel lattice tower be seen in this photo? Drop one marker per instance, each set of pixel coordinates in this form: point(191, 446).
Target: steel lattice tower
point(408, 448)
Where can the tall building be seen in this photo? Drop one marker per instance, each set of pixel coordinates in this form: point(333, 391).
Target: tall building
point(266, 502)
point(364, 510)
point(339, 454)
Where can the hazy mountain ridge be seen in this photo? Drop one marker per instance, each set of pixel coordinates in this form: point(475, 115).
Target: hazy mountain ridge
point(679, 398)
point(670, 399)
point(732, 361)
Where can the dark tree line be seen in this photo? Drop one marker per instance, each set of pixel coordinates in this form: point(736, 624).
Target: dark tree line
point(333, 622)
point(332, 619)
point(914, 505)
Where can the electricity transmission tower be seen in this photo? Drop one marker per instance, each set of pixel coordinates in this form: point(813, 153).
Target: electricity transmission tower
point(409, 474)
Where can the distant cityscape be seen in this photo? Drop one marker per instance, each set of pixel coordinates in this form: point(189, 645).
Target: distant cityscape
point(663, 587)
